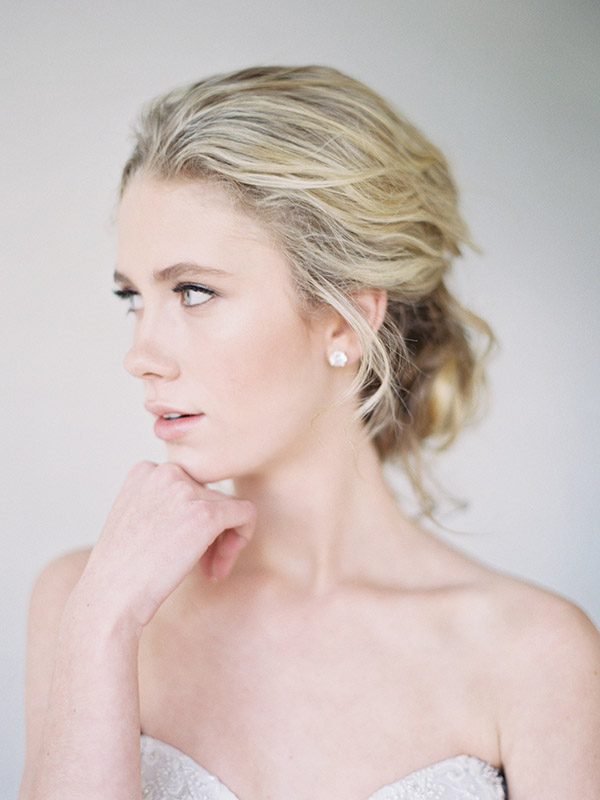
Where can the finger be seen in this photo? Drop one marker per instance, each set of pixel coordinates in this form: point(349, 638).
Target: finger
point(236, 520)
point(229, 544)
point(206, 562)
point(217, 561)
point(238, 515)
point(227, 548)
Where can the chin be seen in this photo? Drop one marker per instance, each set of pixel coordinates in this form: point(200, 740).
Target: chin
point(196, 465)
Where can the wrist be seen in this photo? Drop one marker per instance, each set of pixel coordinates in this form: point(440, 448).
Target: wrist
point(98, 615)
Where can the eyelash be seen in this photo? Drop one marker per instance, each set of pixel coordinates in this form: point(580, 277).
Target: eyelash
point(126, 294)
point(194, 287)
point(181, 288)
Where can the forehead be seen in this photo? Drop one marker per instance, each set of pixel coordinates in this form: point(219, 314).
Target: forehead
point(163, 222)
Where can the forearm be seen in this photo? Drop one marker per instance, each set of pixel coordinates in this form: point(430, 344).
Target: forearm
point(90, 740)
point(83, 721)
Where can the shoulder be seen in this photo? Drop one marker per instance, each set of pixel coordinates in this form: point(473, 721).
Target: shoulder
point(534, 628)
point(48, 599)
point(57, 580)
point(546, 679)
point(538, 655)
point(518, 614)
point(523, 632)
point(66, 567)
point(530, 620)
point(49, 596)
point(552, 644)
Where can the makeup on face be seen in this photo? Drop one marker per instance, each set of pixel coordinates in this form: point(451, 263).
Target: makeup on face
point(232, 372)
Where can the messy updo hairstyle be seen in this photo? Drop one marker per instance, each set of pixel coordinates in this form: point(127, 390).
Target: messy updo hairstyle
point(356, 198)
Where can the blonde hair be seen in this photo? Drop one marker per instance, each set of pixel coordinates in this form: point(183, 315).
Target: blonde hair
point(357, 199)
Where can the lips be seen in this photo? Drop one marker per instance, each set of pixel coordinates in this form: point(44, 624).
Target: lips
point(164, 410)
point(172, 423)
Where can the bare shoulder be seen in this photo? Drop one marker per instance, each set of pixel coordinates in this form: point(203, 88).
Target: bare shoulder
point(550, 719)
point(519, 615)
point(64, 570)
point(529, 619)
point(545, 677)
point(55, 583)
point(49, 596)
point(549, 640)
point(538, 656)
point(537, 633)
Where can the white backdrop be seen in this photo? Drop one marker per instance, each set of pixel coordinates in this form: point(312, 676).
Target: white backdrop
point(507, 88)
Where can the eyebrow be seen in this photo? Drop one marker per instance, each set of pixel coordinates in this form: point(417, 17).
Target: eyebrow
point(175, 271)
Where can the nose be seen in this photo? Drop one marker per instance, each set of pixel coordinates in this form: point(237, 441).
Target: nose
point(147, 359)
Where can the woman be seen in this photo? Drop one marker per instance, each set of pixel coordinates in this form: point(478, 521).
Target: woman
point(283, 243)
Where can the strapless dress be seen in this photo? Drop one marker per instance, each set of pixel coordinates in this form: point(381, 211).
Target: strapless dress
point(168, 774)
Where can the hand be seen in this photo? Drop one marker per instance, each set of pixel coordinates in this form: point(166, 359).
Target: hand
point(162, 524)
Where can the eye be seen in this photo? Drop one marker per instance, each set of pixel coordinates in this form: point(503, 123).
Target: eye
point(133, 298)
point(192, 294)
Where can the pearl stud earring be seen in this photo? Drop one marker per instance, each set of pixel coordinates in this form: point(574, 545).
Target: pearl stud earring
point(338, 358)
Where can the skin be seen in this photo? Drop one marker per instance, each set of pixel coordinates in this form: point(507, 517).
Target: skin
point(302, 639)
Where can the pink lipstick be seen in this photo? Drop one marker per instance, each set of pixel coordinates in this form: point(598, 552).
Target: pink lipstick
point(170, 423)
point(169, 429)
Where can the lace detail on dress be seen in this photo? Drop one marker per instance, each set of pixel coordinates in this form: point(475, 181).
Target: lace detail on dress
point(168, 774)
point(460, 778)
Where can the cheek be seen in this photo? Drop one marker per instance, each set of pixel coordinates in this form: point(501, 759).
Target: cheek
point(271, 362)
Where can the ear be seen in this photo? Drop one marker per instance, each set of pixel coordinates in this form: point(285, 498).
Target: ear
point(373, 305)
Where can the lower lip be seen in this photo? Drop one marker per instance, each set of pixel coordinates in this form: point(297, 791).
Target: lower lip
point(169, 429)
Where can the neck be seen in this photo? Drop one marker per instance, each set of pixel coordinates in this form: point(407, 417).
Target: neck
point(325, 519)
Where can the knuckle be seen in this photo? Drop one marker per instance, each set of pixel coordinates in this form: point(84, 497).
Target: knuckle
point(169, 472)
point(205, 511)
point(141, 469)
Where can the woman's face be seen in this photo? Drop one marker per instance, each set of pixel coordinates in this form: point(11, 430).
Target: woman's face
point(218, 337)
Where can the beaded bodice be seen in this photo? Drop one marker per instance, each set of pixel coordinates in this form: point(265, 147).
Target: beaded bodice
point(168, 774)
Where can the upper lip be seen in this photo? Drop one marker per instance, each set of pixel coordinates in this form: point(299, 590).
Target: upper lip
point(160, 410)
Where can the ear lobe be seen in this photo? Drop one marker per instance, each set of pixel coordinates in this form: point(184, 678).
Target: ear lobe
point(373, 305)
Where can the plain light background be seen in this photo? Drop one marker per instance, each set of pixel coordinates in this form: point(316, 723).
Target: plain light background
point(507, 88)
